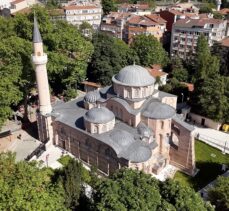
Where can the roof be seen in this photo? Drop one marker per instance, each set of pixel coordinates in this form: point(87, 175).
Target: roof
point(56, 12)
point(158, 110)
point(36, 32)
point(225, 42)
point(178, 119)
point(17, 1)
point(99, 115)
point(156, 18)
point(189, 85)
point(81, 7)
point(133, 75)
point(156, 71)
point(147, 20)
point(135, 6)
point(136, 150)
point(190, 23)
point(224, 11)
point(92, 96)
point(88, 83)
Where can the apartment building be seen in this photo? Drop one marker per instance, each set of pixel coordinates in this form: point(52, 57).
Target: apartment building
point(114, 24)
point(185, 33)
point(149, 24)
point(137, 9)
point(77, 14)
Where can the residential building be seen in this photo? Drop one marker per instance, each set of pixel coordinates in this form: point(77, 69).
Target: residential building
point(77, 14)
point(137, 9)
point(125, 25)
point(149, 24)
point(18, 5)
point(128, 124)
point(4, 4)
point(156, 72)
point(185, 34)
point(114, 24)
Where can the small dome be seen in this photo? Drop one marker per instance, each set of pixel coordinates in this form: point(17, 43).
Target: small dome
point(143, 130)
point(138, 153)
point(92, 97)
point(133, 75)
point(157, 110)
point(122, 138)
point(99, 115)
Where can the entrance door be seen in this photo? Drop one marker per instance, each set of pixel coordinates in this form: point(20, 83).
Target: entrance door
point(202, 121)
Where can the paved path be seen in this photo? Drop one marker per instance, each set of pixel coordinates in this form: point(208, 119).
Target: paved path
point(215, 138)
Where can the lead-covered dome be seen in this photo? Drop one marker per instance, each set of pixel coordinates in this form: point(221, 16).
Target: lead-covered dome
point(99, 115)
point(92, 96)
point(133, 75)
point(157, 110)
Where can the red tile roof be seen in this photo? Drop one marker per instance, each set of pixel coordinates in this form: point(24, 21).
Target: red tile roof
point(224, 11)
point(156, 18)
point(189, 85)
point(225, 42)
point(88, 83)
point(17, 1)
point(156, 71)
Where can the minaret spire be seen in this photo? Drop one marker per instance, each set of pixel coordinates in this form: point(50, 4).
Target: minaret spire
point(36, 32)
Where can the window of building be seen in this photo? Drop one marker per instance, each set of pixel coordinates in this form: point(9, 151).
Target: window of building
point(162, 124)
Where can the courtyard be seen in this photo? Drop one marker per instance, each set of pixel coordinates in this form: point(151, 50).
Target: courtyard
point(209, 162)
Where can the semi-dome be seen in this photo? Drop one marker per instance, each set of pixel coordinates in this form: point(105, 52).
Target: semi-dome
point(122, 138)
point(99, 115)
point(137, 153)
point(133, 75)
point(92, 97)
point(157, 110)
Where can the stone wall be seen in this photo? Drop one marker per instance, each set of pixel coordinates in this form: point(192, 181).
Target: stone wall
point(87, 149)
point(182, 148)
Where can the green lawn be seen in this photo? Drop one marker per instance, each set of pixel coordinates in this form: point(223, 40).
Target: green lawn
point(209, 166)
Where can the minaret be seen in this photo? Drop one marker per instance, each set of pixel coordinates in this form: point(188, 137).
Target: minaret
point(218, 3)
point(39, 59)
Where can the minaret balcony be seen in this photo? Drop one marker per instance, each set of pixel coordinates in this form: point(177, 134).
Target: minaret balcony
point(38, 60)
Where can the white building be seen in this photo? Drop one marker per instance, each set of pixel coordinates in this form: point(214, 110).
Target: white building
point(77, 14)
point(185, 33)
point(4, 4)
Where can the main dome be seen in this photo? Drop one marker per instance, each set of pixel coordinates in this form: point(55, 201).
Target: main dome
point(133, 75)
point(99, 115)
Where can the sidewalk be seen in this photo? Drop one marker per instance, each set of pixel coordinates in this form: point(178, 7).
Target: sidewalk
point(215, 138)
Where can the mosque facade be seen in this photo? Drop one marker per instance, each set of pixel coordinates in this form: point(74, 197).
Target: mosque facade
point(128, 124)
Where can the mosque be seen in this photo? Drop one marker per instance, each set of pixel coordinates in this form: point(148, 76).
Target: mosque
point(129, 124)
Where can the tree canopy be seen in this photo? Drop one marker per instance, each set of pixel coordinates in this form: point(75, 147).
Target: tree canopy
point(67, 50)
point(108, 6)
point(219, 194)
point(149, 50)
point(133, 190)
point(109, 57)
point(24, 186)
point(208, 100)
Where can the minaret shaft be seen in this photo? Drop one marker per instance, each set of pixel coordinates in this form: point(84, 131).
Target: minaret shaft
point(39, 59)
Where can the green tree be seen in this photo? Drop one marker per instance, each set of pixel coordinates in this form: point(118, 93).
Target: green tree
point(219, 194)
point(223, 54)
point(73, 177)
point(149, 50)
point(128, 190)
point(178, 71)
point(183, 198)
point(108, 6)
point(133, 190)
point(207, 99)
point(67, 50)
point(109, 57)
point(24, 186)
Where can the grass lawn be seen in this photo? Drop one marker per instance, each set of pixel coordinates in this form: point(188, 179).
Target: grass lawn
point(209, 166)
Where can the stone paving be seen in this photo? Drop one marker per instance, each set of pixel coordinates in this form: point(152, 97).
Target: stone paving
point(215, 138)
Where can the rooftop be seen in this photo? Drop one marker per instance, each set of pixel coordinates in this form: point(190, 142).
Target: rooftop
point(81, 7)
point(225, 42)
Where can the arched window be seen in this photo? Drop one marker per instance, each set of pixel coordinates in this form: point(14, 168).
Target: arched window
point(162, 125)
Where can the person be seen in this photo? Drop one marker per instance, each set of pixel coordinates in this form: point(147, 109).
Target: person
point(198, 136)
